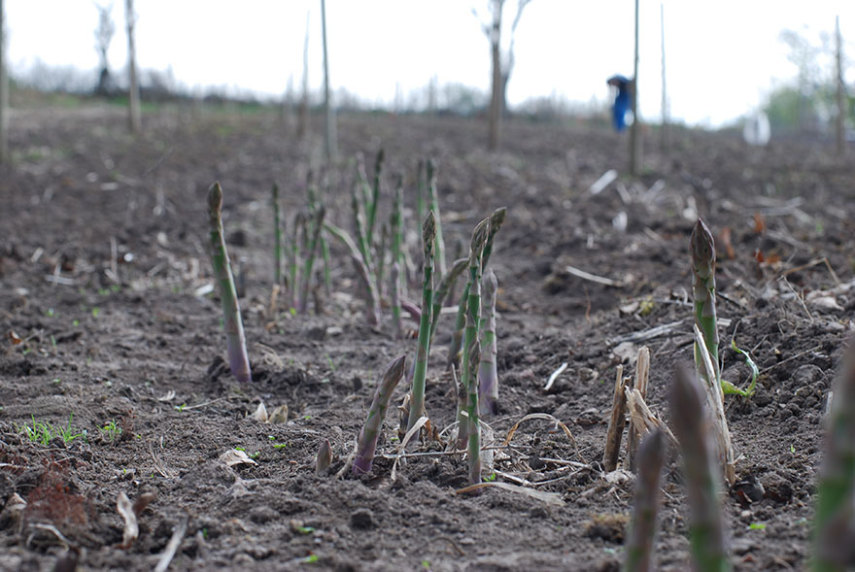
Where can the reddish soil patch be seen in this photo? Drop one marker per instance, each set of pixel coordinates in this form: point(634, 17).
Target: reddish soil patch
point(105, 246)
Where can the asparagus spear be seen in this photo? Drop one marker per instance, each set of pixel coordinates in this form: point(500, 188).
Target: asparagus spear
point(446, 283)
point(235, 337)
point(642, 531)
point(417, 404)
point(367, 443)
point(468, 372)
point(294, 262)
point(690, 420)
point(488, 377)
point(703, 289)
point(434, 206)
point(277, 237)
point(375, 198)
point(317, 225)
point(362, 269)
point(834, 507)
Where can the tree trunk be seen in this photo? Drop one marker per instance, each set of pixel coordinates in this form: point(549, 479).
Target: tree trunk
point(841, 108)
point(635, 131)
point(134, 118)
point(495, 112)
point(4, 90)
point(329, 131)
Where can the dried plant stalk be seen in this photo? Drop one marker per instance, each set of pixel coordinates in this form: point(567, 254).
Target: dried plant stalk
point(616, 423)
point(642, 373)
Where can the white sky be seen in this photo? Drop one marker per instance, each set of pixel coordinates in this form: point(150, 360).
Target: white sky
point(723, 57)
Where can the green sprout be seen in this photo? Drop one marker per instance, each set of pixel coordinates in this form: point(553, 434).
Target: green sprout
point(44, 432)
point(110, 432)
point(235, 337)
point(417, 405)
point(729, 388)
point(277, 236)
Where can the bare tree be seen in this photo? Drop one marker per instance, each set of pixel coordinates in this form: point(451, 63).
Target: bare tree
point(502, 65)
point(103, 36)
point(841, 96)
point(663, 141)
point(329, 131)
point(4, 90)
point(134, 118)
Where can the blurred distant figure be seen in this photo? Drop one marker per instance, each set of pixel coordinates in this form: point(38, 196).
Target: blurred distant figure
point(623, 100)
point(756, 130)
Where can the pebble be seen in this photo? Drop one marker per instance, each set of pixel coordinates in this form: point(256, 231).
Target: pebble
point(362, 519)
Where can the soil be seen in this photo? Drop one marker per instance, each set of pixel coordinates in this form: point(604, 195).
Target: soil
point(108, 331)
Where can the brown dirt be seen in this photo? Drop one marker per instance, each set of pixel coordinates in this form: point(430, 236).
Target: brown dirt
point(141, 349)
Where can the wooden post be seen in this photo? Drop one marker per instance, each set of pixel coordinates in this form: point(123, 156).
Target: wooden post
point(4, 91)
point(134, 119)
point(634, 133)
point(841, 96)
point(329, 122)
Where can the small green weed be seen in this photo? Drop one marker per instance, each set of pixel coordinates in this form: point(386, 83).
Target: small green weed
point(111, 432)
point(43, 432)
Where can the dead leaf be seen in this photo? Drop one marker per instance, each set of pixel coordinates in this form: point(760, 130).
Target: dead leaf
point(234, 457)
point(759, 223)
point(279, 414)
point(726, 244)
point(14, 338)
point(260, 413)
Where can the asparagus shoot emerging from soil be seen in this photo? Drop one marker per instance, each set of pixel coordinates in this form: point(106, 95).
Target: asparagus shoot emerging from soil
point(367, 443)
point(469, 426)
point(277, 237)
point(488, 376)
point(324, 459)
point(642, 531)
point(417, 404)
point(362, 269)
point(434, 206)
point(703, 289)
point(834, 507)
point(690, 420)
point(317, 224)
point(235, 337)
point(395, 283)
point(375, 198)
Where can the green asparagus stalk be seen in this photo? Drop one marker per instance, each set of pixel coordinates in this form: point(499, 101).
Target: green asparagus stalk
point(381, 258)
point(445, 286)
point(420, 190)
point(367, 443)
point(497, 219)
point(650, 459)
point(834, 507)
point(368, 279)
point(690, 420)
point(473, 449)
point(703, 289)
point(277, 237)
point(375, 198)
point(488, 376)
point(395, 284)
point(235, 337)
point(396, 232)
point(294, 262)
point(470, 426)
point(417, 403)
point(456, 345)
point(359, 229)
point(317, 225)
point(314, 205)
point(434, 206)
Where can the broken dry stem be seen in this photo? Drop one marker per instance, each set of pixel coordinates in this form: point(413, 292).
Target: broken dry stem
point(235, 337)
point(617, 421)
point(636, 431)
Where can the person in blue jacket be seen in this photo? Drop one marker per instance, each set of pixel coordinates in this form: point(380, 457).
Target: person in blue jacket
point(623, 100)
